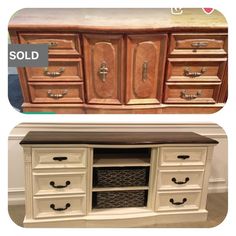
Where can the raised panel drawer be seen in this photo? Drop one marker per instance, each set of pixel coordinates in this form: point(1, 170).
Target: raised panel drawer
point(57, 70)
point(178, 201)
point(198, 44)
point(49, 207)
point(182, 156)
point(195, 70)
point(180, 179)
point(58, 43)
point(56, 92)
point(45, 158)
point(59, 183)
point(191, 93)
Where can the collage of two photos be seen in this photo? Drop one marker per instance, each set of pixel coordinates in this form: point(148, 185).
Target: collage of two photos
point(117, 61)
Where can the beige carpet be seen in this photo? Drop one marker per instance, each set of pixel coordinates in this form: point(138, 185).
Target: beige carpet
point(217, 205)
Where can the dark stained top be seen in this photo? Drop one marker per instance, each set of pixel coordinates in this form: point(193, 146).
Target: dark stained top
point(115, 138)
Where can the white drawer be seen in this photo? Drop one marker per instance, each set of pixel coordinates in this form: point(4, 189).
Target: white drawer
point(59, 183)
point(178, 201)
point(182, 156)
point(44, 158)
point(180, 179)
point(45, 207)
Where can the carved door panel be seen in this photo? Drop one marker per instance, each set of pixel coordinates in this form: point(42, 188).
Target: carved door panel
point(145, 68)
point(104, 68)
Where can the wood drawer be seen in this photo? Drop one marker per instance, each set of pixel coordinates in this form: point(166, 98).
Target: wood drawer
point(182, 156)
point(56, 92)
point(45, 158)
point(195, 70)
point(180, 179)
point(191, 93)
point(59, 183)
point(58, 44)
point(198, 44)
point(49, 207)
point(178, 201)
point(57, 70)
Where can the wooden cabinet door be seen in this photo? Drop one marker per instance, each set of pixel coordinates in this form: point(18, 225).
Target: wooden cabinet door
point(145, 68)
point(103, 68)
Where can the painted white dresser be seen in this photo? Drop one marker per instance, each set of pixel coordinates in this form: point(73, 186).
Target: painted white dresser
point(86, 179)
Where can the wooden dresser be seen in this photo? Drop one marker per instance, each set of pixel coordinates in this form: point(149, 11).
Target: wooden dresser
point(87, 179)
point(124, 60)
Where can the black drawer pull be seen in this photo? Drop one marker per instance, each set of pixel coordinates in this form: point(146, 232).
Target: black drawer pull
point(180, 182)
point(52, 183)
point(178, 203)
point(183, 157)
point(60, 158)
point(60, 209)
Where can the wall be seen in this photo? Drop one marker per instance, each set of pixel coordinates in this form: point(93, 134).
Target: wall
point(218, 180)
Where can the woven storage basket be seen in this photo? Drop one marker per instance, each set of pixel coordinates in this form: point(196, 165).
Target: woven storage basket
point(120, 176)
point(118, 199)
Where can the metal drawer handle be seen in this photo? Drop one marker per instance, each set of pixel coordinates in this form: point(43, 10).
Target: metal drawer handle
point(52, 44)
point(199, 44)
point(183, 157)
point(57, 95)
point(180, 182)
point(52, 183)
point(53, 73)
point(60, 208)
point(145, 71)
point(188, 73)
point(184, 95)
point(60, 158)
point(103, 71)
point(178, 203)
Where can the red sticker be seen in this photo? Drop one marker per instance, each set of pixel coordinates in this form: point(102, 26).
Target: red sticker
point(208, 10)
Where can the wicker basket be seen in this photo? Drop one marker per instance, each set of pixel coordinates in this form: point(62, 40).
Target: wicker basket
point(120, 176)
point(118, 199)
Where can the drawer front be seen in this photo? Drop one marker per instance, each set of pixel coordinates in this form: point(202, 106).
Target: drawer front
point(182, 93)
point(58, 44)
point(178, 201)
point(190, 70)
point(59, 183)
point(47, 207)
point(104, 68)
point(45, 158)
point(198, 44)
point(146, 63)
point(57, 70)
point(180, 179)
point(56, 92)
point(182, 156)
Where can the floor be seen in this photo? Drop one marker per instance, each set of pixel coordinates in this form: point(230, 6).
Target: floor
point(217, 205)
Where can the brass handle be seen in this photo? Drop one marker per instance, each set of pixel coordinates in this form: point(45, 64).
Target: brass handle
point(145, 70)
point(186, 96)
point(103, 71)
point(180, 182)
point(188, 73)
point(57, 95)
point(178, 203)
point(52, 44)
point(60, 208)
point(53, 73)
point(199, 44)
